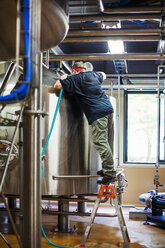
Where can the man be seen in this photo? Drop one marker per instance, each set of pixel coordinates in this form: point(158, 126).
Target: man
point(86, 86)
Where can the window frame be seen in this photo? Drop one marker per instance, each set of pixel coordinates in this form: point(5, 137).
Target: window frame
point(125, 124)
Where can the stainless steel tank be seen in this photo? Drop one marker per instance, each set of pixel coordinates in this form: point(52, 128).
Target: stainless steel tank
point(71, 162)
point(54, 26)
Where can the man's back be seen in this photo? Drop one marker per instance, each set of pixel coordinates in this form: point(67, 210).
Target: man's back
point(87, 88)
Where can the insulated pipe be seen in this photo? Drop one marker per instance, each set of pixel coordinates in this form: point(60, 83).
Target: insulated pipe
point(108, 56)
point(113, 17)
point(104, 32)
point(106, 38)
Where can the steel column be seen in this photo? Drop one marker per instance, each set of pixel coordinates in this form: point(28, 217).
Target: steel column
point(31, 175)
point(63, 220)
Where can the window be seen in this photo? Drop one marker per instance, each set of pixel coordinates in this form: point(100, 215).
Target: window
point(140, 127)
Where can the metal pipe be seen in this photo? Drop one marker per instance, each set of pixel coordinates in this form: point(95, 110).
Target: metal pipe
point(81, 5)
point(4, 239)
point(7, 77)
point(140, 87)
point(73, 176)
point(113, 17)
point(81, 205)
point(31, 192)
point(76, 213)
point(76, 199)
point(158, 129)
point(63, 219)
point(11, 219)
point(118, 115)
point(47, 59)
point(106, 38)
point(11, 148)
point(108, 56)
point(104, 32)
point(57, 50)
point(136, 75)
point(100, 5)
point(137, 9)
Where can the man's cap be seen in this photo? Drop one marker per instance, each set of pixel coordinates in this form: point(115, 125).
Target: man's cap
point(79, 64)
point(82, 66)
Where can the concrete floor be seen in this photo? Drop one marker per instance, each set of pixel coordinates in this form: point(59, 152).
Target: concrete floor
point(105, 232)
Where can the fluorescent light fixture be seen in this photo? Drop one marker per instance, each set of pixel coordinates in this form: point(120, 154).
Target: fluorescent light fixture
point(116, 46)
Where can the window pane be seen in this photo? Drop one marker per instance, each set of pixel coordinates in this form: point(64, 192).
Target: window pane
point(142, 128)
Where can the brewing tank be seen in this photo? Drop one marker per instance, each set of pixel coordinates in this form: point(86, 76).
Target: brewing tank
point(71, 162)
point(54, 26)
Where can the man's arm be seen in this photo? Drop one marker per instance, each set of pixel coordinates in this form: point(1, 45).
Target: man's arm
point(57, 85)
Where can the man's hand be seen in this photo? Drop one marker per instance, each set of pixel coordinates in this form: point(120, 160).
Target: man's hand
point(52, 90)
point(64, 76)
point(58, 85)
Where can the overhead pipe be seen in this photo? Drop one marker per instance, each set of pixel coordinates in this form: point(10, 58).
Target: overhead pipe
point(112, 31)
point(114, 17)
point(134, 9)
point(81, 5)
point(136, 75)
point(106, 38)
point(108, 56)
point(100, 5)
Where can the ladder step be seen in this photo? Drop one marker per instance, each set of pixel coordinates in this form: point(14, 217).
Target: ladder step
point(108, 191)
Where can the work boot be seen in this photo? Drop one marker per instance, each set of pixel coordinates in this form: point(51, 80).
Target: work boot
point(107, 180)
point(100, 173)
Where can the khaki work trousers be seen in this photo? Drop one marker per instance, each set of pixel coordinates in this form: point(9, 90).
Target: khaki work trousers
point(103, 138)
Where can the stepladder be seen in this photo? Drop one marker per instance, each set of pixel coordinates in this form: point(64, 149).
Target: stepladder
point(108, 191)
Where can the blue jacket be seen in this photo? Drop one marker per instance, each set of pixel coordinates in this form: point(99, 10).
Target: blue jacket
point(87, 89)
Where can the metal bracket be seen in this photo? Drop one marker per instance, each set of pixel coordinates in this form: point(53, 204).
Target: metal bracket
point(36, 112)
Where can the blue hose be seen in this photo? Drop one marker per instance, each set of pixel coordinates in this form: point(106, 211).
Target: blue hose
point(141, 23)
point(23, 89)
point(53, 122)
point(52, 242)
point(43, 152)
